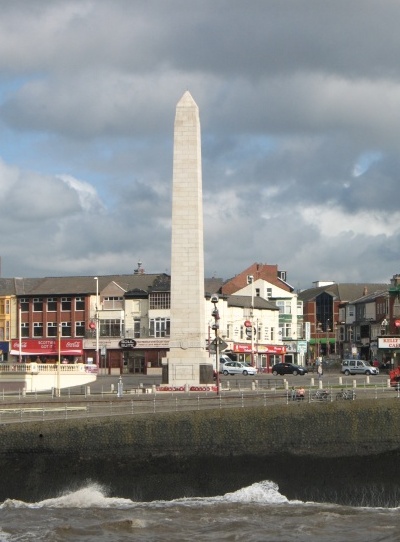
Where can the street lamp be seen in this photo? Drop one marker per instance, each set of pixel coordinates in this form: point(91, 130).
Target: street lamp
point(215, 314)
point(97, 322)
point(250, 280)
point(327, 338)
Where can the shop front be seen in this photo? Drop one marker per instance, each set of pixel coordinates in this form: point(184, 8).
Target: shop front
point(389, 352)
point(265, 355)
point(47, 350)
point(142, 357)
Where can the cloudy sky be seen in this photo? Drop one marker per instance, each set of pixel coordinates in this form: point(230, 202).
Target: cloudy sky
point(300, 115)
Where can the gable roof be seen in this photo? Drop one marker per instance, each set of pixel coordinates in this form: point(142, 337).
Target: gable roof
point(245, 302)
point(342, 292)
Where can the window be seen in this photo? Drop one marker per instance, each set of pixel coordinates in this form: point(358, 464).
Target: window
point(7, 337)
point(160, 300)
point(257, 292)
point(24, 304)
point(269, 293)
point(66, 329)
point(266, 333)
point(51, 304)
point(136, 328)
point(159, 327)
point(52, 329)
point(286, 331)
point(79, 304)
point(65, 303)
point(7, 306)
point(37, 304)
point(37, 329)
point(113, 302)
point(111, 328)
point(25, 330)
point(79, 329)
point(285, 306)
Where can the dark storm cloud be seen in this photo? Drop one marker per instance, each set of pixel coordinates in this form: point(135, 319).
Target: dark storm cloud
point(299, 104)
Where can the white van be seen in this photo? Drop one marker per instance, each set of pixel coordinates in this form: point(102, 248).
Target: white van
point(357, 367)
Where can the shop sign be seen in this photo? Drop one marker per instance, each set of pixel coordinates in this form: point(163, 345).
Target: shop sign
point(127, 344)
point(47, 347)
point(261, 348)
point(389, 342)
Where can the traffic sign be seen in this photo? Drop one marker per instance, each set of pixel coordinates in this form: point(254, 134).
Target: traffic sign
point(127, 343)
point(221, 344)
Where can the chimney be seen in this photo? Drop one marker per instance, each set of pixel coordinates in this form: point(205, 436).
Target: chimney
point(365, 291)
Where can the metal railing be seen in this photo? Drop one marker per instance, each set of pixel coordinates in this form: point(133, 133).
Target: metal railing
point(38, 408)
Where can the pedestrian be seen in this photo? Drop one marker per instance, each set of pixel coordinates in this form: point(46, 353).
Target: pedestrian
point(293, 393)
point(319, 370)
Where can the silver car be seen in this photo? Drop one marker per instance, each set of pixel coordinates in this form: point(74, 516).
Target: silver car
point(358, 367)
point(235, 368)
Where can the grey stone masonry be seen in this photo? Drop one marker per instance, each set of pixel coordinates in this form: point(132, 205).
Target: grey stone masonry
point(187, 344)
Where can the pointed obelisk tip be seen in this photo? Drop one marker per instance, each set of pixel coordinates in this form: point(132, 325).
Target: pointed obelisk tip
point(187, 100)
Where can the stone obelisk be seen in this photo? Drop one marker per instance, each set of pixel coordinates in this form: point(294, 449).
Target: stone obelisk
point(187, 358)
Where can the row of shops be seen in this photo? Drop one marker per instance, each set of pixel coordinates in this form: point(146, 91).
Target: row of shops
point(146, 356)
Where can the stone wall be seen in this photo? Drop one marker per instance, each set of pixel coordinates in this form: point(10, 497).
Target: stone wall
point(202, 452)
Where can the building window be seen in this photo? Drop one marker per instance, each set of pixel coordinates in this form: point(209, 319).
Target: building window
point(65, 303)
point(159, 327)
point(136, 328)
point(52, 329)
point(25, 330)
point(79, 329)
point(286, 331)
point(113, 302)
point(79, 304)
point(7, 337)
point(269, 293)
point(257, 292)
point(37, 304)
point(24, 304)
point(7, 306)
point(160, 300)
point(37, 329)
point(111, 328)
point(51, 304)
point(66, 329)
point(285, 306)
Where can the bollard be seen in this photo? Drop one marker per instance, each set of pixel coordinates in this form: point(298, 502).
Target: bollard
point(112, 388)
point(120, 387)
point(320, 384)
point(87, 390)
point(153, 387)
point(312, 381)
point(286, 384)
point(186, 388)
point(388, 383)
point(367, 380)
point(23, 392)
point(253, 386)
point(354, 383)
point(340, 380)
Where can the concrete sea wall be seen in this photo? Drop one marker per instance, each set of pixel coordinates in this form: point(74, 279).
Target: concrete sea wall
point(304, 450)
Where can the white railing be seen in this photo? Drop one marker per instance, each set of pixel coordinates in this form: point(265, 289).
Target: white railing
point(45, 368)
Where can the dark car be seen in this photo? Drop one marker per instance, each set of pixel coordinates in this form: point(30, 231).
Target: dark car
point(288, 369)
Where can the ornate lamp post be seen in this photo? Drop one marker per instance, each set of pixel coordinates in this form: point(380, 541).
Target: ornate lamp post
point(215, 327)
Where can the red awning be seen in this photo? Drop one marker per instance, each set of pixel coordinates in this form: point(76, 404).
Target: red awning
point(47, 347)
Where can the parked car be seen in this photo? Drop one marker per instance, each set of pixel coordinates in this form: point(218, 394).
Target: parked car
point(235, 367)
point(357, 367)
point(288, 369)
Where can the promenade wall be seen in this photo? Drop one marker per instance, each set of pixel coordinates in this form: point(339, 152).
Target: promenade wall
point(204, 452)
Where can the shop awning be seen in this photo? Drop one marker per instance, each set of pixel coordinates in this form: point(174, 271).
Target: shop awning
point(47, 347)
